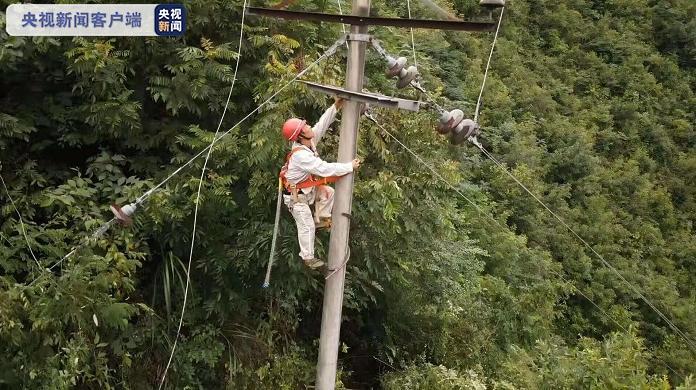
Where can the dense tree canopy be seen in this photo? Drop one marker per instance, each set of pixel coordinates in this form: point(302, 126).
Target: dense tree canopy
point(590, 103)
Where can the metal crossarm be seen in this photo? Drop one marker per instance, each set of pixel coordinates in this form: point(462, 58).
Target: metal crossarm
point(375, 21)
point(365, 97)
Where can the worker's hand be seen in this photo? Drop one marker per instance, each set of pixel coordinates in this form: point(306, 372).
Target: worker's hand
point(356, 164)
point(338, 102)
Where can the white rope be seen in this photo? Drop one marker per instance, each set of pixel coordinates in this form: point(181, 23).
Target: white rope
point(330, 51)
point(606, 263)
point(343, 26)
point(21, 222)
point(485, 75)
point(198, 195)
point(413, 42)
point(151, 191)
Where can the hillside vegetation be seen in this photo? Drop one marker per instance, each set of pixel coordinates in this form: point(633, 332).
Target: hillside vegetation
point(590, 103)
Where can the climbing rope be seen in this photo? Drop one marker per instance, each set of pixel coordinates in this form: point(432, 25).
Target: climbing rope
point(201, 179)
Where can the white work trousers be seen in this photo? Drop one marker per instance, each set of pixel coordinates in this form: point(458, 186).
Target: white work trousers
point(323, 198)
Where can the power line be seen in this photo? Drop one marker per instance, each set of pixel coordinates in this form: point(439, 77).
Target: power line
point(371, 118)
point(413, 42)
point(604, 312)
point(330, 51)
point(21, 223)
point(478, 144)
point(606, 263)
point(97, 233)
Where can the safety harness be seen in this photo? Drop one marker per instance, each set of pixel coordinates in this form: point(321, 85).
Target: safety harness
point(310, 181)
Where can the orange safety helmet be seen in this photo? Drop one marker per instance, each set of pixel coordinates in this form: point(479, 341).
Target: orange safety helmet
point(292, 128)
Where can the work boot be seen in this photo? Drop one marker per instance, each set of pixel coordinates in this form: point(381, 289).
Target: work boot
point(313, 263)
point(323, 223)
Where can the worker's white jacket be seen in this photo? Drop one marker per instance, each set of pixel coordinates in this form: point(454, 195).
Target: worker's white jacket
point(305, 161)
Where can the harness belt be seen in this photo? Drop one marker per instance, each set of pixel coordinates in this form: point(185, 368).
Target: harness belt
point(310, 181)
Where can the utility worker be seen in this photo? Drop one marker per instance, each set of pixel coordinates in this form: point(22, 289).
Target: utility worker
point(304, 178)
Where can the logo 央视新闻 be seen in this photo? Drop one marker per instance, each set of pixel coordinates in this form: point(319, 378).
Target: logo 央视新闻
point(170, 20)
point(116, 20)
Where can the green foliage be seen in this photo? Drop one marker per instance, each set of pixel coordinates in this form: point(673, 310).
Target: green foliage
point(287, 371)
point(619, 362)
point(428, 376)
point(589, 103)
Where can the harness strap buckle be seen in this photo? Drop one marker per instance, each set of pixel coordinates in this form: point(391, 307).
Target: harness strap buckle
point(293, 191)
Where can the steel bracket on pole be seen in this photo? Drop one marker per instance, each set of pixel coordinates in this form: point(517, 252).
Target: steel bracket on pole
point(359, 37)
point(366, 97)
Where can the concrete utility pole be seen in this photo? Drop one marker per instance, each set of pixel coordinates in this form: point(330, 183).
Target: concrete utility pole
point(333, 292)
point(338, 247)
